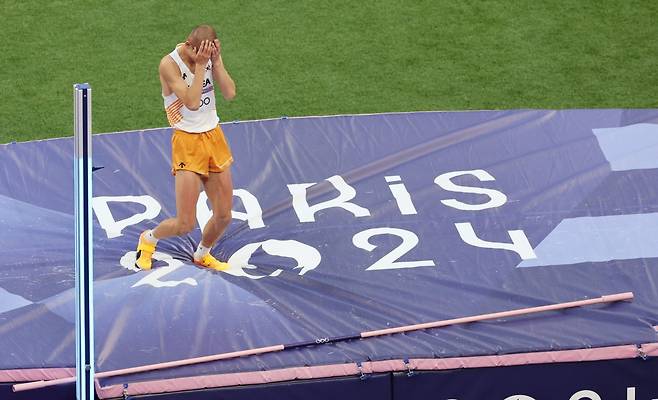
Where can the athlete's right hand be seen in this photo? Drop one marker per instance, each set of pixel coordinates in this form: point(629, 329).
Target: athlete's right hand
point(203, 53)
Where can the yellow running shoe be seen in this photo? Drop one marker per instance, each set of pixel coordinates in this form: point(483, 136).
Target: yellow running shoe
point(208, 261)
point(144, 253)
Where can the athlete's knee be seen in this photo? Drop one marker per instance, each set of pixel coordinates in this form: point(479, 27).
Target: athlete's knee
point(184, 225)
point(223, 217)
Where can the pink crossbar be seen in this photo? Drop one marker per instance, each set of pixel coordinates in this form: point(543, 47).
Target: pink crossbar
point(351, 369)
point(482, 317)
point(503, 314)
point(170, 364)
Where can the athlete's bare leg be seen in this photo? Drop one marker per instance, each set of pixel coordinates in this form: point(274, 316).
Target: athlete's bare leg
point(219, 188)
point(188, 187)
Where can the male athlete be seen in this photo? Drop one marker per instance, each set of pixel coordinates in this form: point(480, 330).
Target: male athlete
point(200, 153)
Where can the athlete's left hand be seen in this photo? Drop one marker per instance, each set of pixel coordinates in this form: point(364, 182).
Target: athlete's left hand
point(216, 50)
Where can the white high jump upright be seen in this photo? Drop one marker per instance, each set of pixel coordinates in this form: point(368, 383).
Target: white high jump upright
point(84, 258)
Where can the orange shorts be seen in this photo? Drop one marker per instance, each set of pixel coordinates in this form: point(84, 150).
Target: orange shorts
point(202, 153)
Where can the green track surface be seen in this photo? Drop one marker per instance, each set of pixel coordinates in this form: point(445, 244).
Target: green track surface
point(326, 57)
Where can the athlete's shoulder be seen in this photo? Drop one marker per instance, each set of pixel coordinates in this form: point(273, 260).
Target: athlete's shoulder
point(168, 65)
point(167, 60)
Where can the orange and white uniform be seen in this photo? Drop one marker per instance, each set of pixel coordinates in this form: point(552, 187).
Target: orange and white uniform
point(198, 143)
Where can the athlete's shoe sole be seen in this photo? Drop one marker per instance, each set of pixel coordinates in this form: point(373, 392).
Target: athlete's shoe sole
point(145, 250)
point(210, 262)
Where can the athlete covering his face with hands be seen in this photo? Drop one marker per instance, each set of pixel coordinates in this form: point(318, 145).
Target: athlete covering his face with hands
point(201, 156)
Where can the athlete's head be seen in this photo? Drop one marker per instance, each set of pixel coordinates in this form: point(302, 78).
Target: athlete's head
point(198, 35)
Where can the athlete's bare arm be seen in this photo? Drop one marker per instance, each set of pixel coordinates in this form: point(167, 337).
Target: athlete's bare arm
point(170, 76)
point(219, 73)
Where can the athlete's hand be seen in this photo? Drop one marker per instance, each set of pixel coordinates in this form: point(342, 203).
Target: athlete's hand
point(203, 53)
point(216, 50)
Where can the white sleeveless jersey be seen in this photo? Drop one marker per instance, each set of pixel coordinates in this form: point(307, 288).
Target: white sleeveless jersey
point(181, 117)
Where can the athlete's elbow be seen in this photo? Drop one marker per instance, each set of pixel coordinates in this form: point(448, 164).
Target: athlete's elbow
point(229, 94)
point(192, 106)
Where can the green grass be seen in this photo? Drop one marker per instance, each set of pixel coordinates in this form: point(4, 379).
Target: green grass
point(326, 57)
